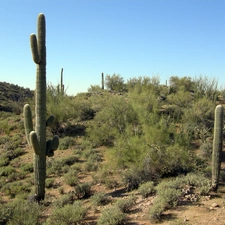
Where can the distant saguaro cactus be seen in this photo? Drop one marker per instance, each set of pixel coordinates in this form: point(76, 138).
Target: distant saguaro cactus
point(60, 87)
point(37, 137)
point(217, 146)
point(103, 84)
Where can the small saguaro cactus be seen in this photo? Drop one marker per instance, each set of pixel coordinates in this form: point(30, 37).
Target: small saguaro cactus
point(61, 86)
point(37, 137)
point(217, 146)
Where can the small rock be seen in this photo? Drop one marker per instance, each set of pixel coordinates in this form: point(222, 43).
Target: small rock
point(214, 205)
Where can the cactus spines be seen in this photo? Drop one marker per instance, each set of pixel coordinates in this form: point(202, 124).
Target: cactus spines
point(217, 146)
point(37, 137)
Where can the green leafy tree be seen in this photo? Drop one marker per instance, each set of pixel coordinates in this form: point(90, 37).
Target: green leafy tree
point(115, 83)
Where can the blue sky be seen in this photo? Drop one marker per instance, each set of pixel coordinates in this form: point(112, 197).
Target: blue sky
point(128, 37)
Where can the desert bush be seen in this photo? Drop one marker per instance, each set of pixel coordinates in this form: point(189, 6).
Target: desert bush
point(25, 212)
point(132, 178)
point(68, 214)
point(4, 160)
point(100, 198)
point(49, 182)
point(126, 204)
point(63, 200)
point(199, 181)
point(111, 121)
point(14, 188)
point(16, 176)
point(71, 178)
point(114, 83)
point(69, 160)
point(95, 89)
point(82, 190)
point(57, 166)
point(65, 169)
point(111, 216)
point(156, 210)
point(102, 174)
point(91, 165)
point(7, 170)
point(28, 167)
point(93, 159)
point(66, 143)
point(6, 212)
point(206, 150)
point(146, 189)
point(65, 108)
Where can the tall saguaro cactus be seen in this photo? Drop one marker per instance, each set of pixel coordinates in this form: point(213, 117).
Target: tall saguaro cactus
point(37, 137)
point(217, 146)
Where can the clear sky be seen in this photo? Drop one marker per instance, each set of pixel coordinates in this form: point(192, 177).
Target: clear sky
point(127, 37)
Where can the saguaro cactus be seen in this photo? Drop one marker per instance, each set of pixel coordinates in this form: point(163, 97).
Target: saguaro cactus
point(37, 137)
point(103, 81)
point(61, 83)
point(217, 146)
point(60, 87)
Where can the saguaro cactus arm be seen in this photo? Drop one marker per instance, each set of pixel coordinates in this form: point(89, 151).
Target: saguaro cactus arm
point(28, 123)
point(34, 48)
point(35, 143)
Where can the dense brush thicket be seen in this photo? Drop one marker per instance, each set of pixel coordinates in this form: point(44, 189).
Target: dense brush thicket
point(151, 128)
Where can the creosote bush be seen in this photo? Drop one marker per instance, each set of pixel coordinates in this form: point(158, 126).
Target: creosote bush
point(100, 198)
point(111, 216)
point(146, 189)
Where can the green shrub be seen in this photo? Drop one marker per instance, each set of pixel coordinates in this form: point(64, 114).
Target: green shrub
point(49, 182)
point(99, 199)
point(57, 166)
point(6, 212)
point(146, 189)
point(66, 143)
point(125, 205)
point(4, 160)
point(26, 213)
point(15, 188)
point(63, 200)
point(71, 178)
point(68, 214)
point(206, 150)
point(114, 83)
point(82, 190)
point(91, 165)
point(18, 152)
point(111, 216)
point(69, 160)
point(6, 171)
point(28, 167)
point(157, 209)
point(132, 178)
